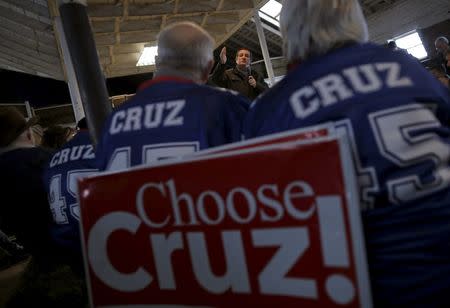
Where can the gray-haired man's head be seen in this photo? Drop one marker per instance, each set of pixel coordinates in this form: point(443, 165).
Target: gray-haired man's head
point(185, 48)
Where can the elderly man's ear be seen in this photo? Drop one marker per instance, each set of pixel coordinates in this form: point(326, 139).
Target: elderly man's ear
point(206, 71)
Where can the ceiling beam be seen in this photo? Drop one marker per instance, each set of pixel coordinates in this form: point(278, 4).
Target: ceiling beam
point(205, 18)
point(116, 29)
point(125, 10)
point(163, 22)
point(170, 15)
point(220, 5)
point(248, 39)
point(175, 7)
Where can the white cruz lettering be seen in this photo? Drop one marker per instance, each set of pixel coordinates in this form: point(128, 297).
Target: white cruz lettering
point(393, 78)
point(174, 118)
point(293, 243)
point(333, 88)
point(98, 256)
point(150, 116)
point(72, 154)
point(89, 153)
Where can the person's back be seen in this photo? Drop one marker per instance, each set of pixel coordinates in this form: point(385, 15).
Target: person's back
point(24, 203)
point(74, 160)
point(169, 118)
point(174, 114)
point(397, 118)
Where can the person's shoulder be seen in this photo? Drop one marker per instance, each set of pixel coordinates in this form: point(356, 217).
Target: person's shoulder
point(225, 98)
point(227, 94)
point(230, 72)
point(351, 53)
point(378, 52)
point(279, 88)
point(81, 137)
point(39, 152)
point(219, 91)
point(34, 156)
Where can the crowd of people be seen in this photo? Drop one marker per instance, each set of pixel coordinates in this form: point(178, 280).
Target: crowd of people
point(396, 112)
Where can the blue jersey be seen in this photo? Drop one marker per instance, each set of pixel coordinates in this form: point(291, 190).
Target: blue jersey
point(169, 117)
point(74, 160)
point(396, 116)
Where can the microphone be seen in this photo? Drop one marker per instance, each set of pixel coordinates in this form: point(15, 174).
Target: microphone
point(249, 70)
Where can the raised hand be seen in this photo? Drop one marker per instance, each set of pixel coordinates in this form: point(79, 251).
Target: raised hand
point(223, 55)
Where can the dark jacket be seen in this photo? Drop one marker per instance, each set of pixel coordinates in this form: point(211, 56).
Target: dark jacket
point(24, 208)
point(236, 80)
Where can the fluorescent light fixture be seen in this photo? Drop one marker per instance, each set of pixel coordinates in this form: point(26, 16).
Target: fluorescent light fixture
point(272, 8)
point(269, 19)
point(148, 56)
point(413, 45)
point(271, 12)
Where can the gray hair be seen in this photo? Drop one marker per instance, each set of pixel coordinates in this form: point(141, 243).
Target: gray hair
point(313, 27)
point(184, 46)
point(441, 39)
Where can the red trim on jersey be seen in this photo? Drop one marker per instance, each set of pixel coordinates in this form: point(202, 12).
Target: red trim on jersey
point(153, 81)
point(293, 65)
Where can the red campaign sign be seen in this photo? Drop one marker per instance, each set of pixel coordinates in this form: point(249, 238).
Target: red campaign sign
point(301, 134)
point(275, 226)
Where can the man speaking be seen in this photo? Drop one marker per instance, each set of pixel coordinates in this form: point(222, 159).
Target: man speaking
point(241, 78)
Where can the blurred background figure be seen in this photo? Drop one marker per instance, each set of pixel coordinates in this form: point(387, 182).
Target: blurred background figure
point(437, 70)
point(24, 210)
point(392, 45)
point(11, 253)
point(56, 136)
point(447, 59)
point(74, 160)
point(442, 47)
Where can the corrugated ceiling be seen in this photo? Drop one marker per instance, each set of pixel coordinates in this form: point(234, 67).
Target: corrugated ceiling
point(122, 27)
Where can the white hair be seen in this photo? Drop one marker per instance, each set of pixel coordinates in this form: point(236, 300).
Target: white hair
point(313, 27)
point(441, 39)
point(184, 46)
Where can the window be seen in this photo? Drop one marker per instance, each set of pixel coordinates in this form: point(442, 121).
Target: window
point(271, 12)
point(412, 43)
point(148, 56)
